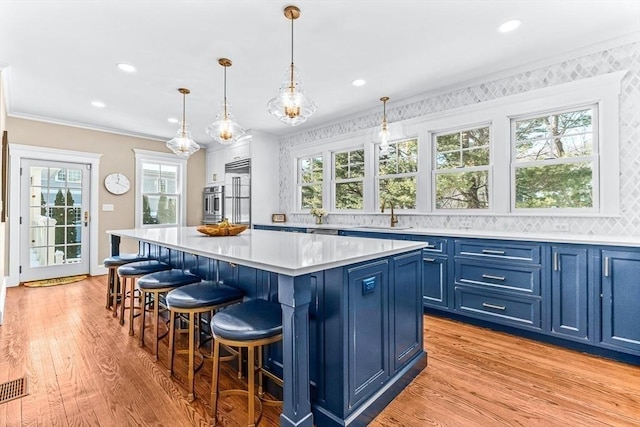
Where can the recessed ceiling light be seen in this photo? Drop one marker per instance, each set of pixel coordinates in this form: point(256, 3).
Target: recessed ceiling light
point(509, 26)
point(172, 120)
point(127, 68)
point(359, 82)
point(98, 104)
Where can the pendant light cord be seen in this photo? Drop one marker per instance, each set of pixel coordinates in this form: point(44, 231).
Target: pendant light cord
point(184, 104)
point(291, 85)
point(225, 92)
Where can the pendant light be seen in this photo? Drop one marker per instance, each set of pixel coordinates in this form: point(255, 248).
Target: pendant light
point(225, 129)
point(291, 106)
point(384, 134)
point(183, 145)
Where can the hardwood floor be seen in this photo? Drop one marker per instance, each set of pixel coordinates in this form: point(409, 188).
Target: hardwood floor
point(84, 369)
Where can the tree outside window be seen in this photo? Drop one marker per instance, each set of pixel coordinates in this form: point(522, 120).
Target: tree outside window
point(310, 176)
point(554, 160)
point(348, 176)
point(397, 174)
point(159, 194)
point(461, 172)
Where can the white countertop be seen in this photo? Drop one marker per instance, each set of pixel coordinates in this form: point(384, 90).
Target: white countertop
point(292, 254)
point(558, 237)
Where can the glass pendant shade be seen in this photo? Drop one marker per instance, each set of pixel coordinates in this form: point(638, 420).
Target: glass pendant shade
point(183, 145)
point(225, 129)
point(291, 106)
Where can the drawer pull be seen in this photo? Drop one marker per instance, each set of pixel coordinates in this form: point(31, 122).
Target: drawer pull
point(492, 252)
point(429, 259)
point(430, 246)
point(606, 266)
point(496, 307)
point(488, 276)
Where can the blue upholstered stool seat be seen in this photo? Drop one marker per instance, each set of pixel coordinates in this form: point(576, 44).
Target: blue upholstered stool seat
point(203, 294)
point(251, 320)
point(132, 271)
point(113, 283)
point(156, 284)
point(140, 268)
point(118, 260)
point(194, 300)
point(251, 325)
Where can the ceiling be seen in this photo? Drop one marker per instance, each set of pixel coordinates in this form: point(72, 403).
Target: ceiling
point(59, 56)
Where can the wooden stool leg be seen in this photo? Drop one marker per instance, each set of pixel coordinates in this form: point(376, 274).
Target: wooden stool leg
point(143, 300)
point(214, 380)
point(172, 328)
point(122, 300)
point(190, 396)
point(110, 288)
point(251, 385)
point(156, 315)
point(117, 293)
point(132, 303)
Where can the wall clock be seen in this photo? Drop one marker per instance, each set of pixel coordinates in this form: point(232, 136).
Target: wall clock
point(117, 183)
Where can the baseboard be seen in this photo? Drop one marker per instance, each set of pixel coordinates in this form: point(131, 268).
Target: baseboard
point(3, 296)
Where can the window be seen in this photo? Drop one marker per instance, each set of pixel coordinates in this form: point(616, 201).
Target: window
point(397, 174)
point(310, 171)
point(161, 184)
point(348, 179)
point(461, 173)
point(554, 160)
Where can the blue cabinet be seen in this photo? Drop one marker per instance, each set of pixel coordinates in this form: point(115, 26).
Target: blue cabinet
point(499, 281)
point(620, 294)
point(435, 280)
point(570, 292)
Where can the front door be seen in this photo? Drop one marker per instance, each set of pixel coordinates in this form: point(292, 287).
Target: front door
point(54, 219)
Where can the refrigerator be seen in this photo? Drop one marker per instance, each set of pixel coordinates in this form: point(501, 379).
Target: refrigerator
point(237, 195)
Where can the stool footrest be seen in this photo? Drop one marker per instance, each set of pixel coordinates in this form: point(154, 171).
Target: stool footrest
point(244, 393)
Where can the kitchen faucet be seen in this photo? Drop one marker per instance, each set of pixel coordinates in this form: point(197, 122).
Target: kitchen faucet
point(394, 217)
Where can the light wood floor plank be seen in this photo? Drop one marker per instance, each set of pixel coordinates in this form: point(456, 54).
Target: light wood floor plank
point(86, 370)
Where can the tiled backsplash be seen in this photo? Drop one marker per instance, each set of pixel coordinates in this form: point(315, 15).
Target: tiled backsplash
point(603, 62)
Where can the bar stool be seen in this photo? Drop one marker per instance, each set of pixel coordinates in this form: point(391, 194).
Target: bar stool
point(133, 271)
point(113, 282)
point(251, 325)
point(153, 285)
point(194, 300)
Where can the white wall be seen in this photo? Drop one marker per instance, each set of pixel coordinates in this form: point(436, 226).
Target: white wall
point(594, 63)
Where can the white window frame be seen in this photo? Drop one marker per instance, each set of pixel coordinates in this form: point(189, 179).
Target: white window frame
point(593, 159)
point(299, 184)
point(146, 156)
point(377, 177)
point(335, 181)
point(435, 171)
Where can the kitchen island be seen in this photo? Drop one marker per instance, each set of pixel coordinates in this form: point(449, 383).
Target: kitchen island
point(351, 308)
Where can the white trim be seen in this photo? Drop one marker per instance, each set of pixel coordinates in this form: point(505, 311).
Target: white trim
point(17, 152)
point(3, 297)
point(166, 158)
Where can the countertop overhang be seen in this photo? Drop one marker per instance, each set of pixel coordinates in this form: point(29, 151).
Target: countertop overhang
point(291, 254)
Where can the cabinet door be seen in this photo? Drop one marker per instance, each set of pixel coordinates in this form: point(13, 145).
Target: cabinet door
point(367, 329)
point(434, 280)
point(621, 300)
point(569, 292)
point(405, 309)
point(215, 165)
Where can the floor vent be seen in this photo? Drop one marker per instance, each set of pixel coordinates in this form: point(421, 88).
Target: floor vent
point(14, 389)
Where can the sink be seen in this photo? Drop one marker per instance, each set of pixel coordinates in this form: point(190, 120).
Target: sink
point(384, 227)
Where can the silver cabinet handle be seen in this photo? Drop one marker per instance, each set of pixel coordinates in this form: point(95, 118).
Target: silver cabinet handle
point(430, 246)
point(606, 266)
point(556, 262)
point(492, 252)
point(496, 307)
point(429, 259)
point(489, 276)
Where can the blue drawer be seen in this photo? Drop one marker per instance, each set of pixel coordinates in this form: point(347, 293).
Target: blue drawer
point(434, 244)
point(512, 277)
point(500, 308)
point(529, 252)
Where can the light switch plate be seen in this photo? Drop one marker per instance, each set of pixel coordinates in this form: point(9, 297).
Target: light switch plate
point(107, 207)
